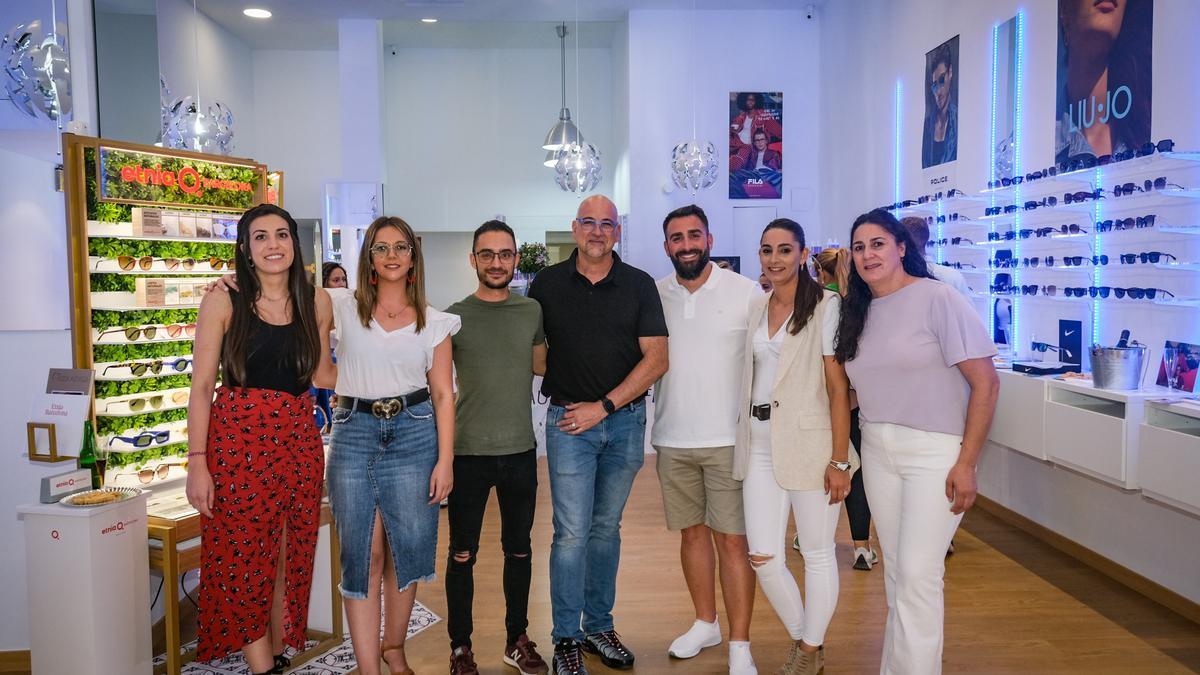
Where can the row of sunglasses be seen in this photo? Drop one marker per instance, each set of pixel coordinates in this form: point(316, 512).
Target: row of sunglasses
point(1086, 161)
point(1145, 257)
point(1050, 290)
point(1122, 190)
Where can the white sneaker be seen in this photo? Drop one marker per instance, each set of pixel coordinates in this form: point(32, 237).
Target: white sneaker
point(702, 634)
point(865, 559)
point(740, 660)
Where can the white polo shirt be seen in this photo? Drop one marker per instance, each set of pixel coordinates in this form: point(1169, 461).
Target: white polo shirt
point(696, 401)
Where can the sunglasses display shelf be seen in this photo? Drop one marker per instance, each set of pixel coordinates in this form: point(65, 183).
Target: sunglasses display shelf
point(125, 230)
point(161, 333)
point(947, 205)
point(160, 266)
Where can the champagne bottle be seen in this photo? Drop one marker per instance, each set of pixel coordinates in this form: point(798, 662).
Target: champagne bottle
point(87, 454)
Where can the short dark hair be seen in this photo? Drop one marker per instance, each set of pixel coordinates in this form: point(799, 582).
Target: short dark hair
point(684, 212)
point(492, 226)
point(918, 228)
point(941, 54)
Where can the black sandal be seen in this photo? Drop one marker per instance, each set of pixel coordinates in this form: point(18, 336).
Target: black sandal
point(282, 663)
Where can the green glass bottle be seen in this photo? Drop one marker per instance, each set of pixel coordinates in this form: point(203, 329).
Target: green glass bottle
point(87, 453)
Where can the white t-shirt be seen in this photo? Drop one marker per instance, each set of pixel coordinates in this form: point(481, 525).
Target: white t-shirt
point(374, 363)
point(766, 363)
point(949, 276)
point(696, 401)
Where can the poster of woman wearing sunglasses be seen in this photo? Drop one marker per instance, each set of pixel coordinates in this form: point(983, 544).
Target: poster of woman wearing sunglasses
point(939, 140)
point(1104, 78)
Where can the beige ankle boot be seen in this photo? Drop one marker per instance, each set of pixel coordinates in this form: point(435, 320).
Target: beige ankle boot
point(802, 663)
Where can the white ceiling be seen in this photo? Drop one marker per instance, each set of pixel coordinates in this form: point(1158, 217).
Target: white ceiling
point(312, 24)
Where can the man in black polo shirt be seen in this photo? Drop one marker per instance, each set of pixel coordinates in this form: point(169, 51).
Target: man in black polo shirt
point(608, 343)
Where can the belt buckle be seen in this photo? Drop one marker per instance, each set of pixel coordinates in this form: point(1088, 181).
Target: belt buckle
point(761, 413)
point(386, 409)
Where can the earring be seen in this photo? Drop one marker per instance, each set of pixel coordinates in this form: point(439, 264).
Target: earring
point(374, 279)
point(251, 263)
point(412, 276)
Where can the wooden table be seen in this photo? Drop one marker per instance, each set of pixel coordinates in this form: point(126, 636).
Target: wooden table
point(172, 561)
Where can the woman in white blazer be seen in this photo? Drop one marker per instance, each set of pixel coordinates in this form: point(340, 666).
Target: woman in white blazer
point(793, 446)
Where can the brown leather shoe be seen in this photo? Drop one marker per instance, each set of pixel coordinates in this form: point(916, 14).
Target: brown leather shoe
point(462, 662)
point(523, 656)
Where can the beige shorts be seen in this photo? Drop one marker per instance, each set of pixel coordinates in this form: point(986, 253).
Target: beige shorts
point(698, 487)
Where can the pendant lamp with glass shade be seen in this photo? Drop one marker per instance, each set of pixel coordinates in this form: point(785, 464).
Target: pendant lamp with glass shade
point(564, 132)
point(577, 169)
point(694, 163)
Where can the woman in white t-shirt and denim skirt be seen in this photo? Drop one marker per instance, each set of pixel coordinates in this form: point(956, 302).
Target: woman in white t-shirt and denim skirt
point(391, 456)
point(920, 360)
point(793, 441)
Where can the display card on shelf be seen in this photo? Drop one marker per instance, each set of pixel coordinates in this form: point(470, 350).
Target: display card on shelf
point(187, 225)
point(148, 222)
point(67, 413)
point(76, 381)
point(203, 226)
point(151, 292)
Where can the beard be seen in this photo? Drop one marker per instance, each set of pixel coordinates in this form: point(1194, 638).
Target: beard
point(692, 270)
point(495, 285)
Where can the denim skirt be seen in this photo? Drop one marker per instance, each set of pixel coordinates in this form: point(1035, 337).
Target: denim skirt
point(384, 465)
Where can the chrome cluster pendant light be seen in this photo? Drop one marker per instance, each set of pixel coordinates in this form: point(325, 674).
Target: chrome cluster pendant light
point(694, 163)
point(184, 122)
point(38, 75)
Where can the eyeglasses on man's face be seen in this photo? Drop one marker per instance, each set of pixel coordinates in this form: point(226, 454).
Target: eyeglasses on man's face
point(402, 249)
point(590, 224)
point(487, 255)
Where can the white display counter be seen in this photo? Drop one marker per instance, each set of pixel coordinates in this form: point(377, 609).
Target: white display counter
point(88, 579)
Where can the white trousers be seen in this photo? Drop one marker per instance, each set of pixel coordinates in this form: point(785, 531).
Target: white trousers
point(904, 473)
point(767, 506)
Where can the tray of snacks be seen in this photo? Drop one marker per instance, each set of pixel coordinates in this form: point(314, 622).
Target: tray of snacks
point(101, 497)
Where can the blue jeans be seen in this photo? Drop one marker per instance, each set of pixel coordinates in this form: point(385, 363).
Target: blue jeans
point(384, 465)
point(590, 478)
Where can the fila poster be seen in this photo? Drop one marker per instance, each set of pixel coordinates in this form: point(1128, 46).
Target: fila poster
point(1104, 77)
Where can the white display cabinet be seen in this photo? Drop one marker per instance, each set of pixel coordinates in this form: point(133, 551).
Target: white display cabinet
point(1097, 431)
point(1169, 461)
point(1020, 414)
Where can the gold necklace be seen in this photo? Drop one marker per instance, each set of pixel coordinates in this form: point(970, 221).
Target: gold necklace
point(392, 315)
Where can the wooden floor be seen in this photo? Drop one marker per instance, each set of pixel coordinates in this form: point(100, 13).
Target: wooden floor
point(1013, 605)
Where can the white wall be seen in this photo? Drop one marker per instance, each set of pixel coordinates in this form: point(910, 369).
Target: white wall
point(865, 47)
point(465, 129)
point(127, 75)
point(296, 122)
point(225, 66)
point(780, 54)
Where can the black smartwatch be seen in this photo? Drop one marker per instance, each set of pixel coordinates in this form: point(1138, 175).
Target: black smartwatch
point(609, 407)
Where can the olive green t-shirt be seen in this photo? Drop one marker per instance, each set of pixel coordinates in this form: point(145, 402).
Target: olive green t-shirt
point(493, 361)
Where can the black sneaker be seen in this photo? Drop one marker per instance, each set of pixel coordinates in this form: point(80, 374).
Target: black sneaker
point(608, 647)
point(568, 658)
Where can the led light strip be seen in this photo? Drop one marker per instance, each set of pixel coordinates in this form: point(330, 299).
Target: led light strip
point(1096, 267)
point(899, 117)
point(991, 172)
point(1019, 78)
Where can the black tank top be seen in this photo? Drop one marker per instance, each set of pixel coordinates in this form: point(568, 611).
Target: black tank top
point(268, 364)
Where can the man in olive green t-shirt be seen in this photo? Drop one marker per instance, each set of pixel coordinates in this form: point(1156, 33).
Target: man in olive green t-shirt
point(496, 354)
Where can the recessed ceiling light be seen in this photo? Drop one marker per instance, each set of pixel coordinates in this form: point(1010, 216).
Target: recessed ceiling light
point(257, 13)
point(428, 20)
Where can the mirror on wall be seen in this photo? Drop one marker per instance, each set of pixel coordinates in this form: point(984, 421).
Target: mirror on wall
point(127, 70)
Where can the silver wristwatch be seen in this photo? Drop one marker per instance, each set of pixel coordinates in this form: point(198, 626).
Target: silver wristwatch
point(840, 466)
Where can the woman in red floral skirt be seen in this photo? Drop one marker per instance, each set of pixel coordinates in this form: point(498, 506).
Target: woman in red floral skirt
point(257, 480)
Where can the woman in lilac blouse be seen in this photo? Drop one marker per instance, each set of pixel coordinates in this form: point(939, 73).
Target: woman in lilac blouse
point(920, 359)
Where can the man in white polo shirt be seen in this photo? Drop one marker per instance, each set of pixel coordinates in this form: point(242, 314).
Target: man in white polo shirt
point(695, 422)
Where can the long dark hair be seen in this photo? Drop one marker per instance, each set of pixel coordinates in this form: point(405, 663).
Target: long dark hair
point(857, 300)
point(305, 345)
point(808, 291)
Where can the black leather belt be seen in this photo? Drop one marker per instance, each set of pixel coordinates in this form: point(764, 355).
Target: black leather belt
point(385, 408)
point(761, 412)
point(562, 402)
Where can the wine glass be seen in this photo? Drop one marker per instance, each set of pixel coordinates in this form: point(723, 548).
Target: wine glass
point(1170, 368)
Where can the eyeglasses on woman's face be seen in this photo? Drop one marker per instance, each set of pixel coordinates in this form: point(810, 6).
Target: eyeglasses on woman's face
point(402, 249)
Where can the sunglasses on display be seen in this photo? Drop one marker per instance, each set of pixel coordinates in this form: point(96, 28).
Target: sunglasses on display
point(1165, 145)
point(150, 332)
point(1160, 183)
point(148, 475)
point(1043, 347)
point(1043, 202)
point(144, 439)
point(1002, 263)
point(154, 402)
point(1044, 173)
point(1080, 197)
point(487, 255)
point(1005, 289)
point(1126, 223)
point(952, 241)
point(1134, 293)
point(139, 369)
point(958, 265)
point(402, 249)
point(997, 210)
point(1078, 163)
point(1152, 257)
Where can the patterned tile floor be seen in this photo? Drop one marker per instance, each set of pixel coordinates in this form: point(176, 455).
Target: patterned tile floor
point(337, 661)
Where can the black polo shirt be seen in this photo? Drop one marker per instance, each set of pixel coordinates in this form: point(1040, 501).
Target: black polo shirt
point(593, 330)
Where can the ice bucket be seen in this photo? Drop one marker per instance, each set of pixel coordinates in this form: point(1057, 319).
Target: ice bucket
point(1119, 367)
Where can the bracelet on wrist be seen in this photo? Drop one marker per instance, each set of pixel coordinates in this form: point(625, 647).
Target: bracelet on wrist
point(196, 454)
